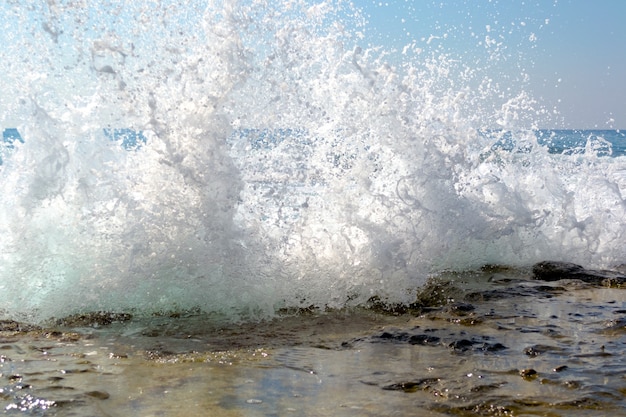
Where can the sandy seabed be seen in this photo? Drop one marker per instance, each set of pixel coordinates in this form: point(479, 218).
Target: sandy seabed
point(493, 342)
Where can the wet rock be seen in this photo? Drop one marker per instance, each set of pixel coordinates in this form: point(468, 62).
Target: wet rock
point(602, 353)
point(493, 347)
point(459, 309)
point(554, 271)
point(395, 309)
point(537, 350)
point(486, 387)
point(15, 326)
point(616, 325)
point(159, 354)
point(584, 403)
point(528, 373)
point(468, 321)
point(298, 311)
point(464, 345)
point(393, 336)
point(437, 293)
point(100, 395)
point(94, 319)
point(423, 339)
point(412, 386)
point(405, 337)
point(461, 345)
point(434, 295)
point(539, 291)
point(572, 384)
point(483, 408)
point(437, 337)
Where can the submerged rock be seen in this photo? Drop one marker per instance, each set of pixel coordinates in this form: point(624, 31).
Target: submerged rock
point(537, 350)
point(528, 373)
point(537, 291)
point(423, 339)
point(423, 384)
point(554, 271)
point(100, 395)
point(457, 341)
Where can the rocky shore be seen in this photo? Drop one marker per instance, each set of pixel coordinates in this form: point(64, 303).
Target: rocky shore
point(548, 340)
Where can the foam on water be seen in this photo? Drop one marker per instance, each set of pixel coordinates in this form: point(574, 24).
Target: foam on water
point(283, 164)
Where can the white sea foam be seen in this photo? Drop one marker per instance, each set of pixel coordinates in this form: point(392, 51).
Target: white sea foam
point(284, 164)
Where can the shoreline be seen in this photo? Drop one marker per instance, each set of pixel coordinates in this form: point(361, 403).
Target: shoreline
point(493, 342)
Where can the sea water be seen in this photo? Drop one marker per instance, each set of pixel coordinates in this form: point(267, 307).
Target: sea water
point(240, 157)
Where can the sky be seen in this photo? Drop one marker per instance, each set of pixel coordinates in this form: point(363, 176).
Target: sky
point(573, 51)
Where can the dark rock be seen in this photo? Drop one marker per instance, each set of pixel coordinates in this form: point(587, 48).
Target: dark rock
point(459, 309)
point(15, 326)
point(100, 395)
point(483, 408)
point(423, 339)
point(554, 271)
point(469, 321)
point(585, 403)
point(537, 350)
point(540, 291)
point(461, 345)
point(412, 386)
point(94, 319)
point(393, 336)
point(528, 373)
point(486, 388)
point(437, 293)
point(493, 347)
point(395, 309)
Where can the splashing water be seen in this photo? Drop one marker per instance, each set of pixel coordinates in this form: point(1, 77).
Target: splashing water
point(280, 164)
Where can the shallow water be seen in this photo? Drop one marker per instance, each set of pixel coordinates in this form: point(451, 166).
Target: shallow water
point(493, 342)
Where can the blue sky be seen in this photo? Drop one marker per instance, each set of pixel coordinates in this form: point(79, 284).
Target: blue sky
point(573, 51)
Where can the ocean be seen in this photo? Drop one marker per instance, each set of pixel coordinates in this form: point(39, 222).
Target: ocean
point(254, 201)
